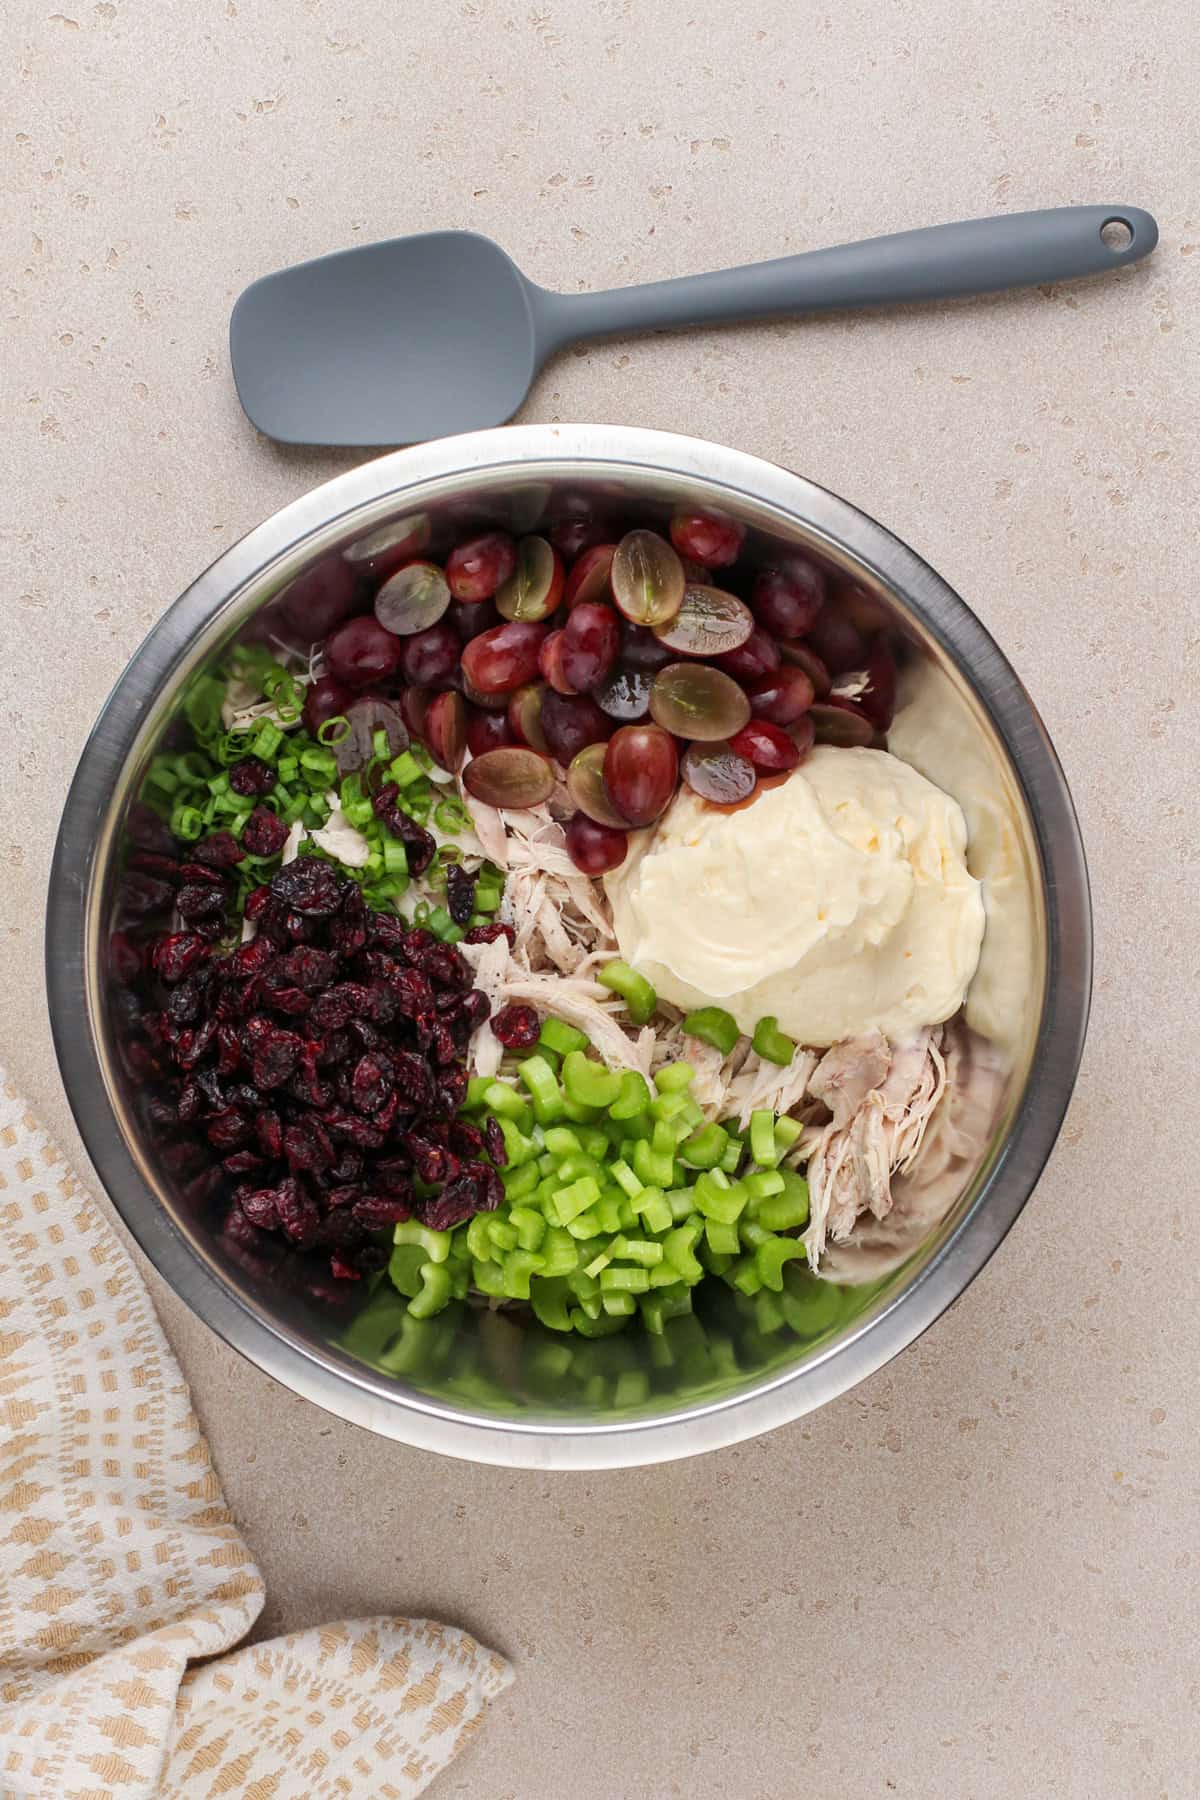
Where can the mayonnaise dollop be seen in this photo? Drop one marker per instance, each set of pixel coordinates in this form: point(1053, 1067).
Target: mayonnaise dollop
point(837, 901)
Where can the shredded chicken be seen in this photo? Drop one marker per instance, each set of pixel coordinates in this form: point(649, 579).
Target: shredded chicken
point(582, 1004)
point(764, 1086)
point(846, 1074)
point(880, 1101)
point(971, 1080)
point(490, 963)
point(340, 839)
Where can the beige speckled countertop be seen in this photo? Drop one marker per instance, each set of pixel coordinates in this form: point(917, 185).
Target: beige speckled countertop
point(975, 1576)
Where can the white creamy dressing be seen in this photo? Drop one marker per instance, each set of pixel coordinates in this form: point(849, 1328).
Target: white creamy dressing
point(839, 901)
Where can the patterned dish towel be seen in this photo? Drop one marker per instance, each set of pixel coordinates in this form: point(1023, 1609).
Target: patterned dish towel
point(120, 1565)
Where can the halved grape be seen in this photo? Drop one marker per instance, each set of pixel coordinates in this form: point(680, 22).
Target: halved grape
point(550, 663)
point(578, 525)
point(709, 623)
point(473, 695)
point(570, 722)
point(525, 716)
point(788, 596)
point(593, 848)
point(591, 639)
point(488, 731)
point(694, 700)
point(446, 729)
point(412, 599)
point(430, 657)
point(624, 694)
point(837, 640)
point(367, 715)
point(585, 784)
point(718, 773)
point(781, 697)
point(476, 569)
point(504, 658)
point(759, 655)
point(535, 587)
point(589, 577)
point(414, 702)
point(767, 746)
point(382, 551)
point(805, 657)
point(641, 772)
point(841, 722)
point(467, 618)
point(512, 777)
point(647, 578)
point(640, 649)
point(803, 733)
point(361, 652)
point(878, 698)
point(324, 700)
point(709, 536)
point(320, 598)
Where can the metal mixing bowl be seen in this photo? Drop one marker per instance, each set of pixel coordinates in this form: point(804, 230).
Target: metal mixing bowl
point(477, 1383)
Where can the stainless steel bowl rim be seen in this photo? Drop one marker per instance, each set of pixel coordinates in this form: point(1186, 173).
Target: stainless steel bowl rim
point(356, 501)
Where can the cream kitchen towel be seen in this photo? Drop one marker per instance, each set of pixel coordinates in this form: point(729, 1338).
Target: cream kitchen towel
point(121, 1567)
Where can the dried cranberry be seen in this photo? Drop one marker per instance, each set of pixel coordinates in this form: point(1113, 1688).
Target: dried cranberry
point(204, 876)
point(192, 1045)
point(185, 1000)
point(460, 893)
point(165, 868)
point(220, 850)
point(251, 958)
point(145, 829)
point(276, 1057)
point(177, 954)
point(261, 1208)
point(308, 885)
point(229, 1050)
point(333, 1049)
point(210, 929)
point(348, 1167)
point(229, 1130)
point(257, 903)
point(476, 1007)
point(190, 1103)
point(517, 1027)
point(306, 1145)
point(270, 1132)
point(430, 1160)
point(145, 894)
point(309, 969)
point(367, 1036)
point(417, 942)
point(264, 833)
point(444, 1047)
point(376, 1211)
point(243, 1162)
point(458, 1200)
point(414, 1082)
point(452, 1088)
point(372, 1081)
point(413, 991)
point(124, 958)
point(493, 1137)
point(445, 967)
point(341, 1270)
point(252, 778)
point(291, 1000)
point(198, 901)
point(297, 1211)
point(487, 934)
point(466, 1139)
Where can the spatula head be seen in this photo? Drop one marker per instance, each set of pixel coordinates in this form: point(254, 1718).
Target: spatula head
point(387, 344)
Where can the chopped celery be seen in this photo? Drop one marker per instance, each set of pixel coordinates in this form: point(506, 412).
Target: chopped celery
point(637, 993)
point(771, 1043)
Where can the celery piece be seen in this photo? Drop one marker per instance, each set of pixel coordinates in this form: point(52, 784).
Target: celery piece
point(637, 993)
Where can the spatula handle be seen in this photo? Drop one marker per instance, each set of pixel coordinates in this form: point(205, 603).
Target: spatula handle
point(940, 262)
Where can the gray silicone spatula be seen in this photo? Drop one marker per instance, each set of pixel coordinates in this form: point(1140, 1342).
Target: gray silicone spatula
point(423, 336)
